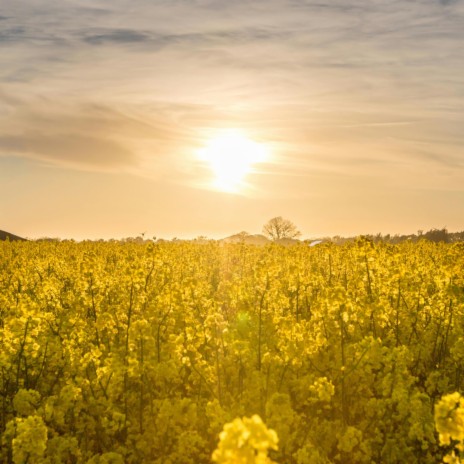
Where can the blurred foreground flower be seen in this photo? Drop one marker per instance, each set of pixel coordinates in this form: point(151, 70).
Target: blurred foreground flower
point(245, 441)
point(449, 421)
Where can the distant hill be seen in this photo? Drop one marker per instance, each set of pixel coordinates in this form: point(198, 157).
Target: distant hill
point(7, 236)
point(257, 239)
point(287, 241)
point(249, 239)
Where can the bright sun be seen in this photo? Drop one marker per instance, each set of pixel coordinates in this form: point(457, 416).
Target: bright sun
point(231, 156)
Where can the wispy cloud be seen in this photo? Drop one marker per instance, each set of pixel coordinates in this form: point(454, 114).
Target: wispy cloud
point(117, 36)
point(81, 139)
point(91, 137)
point(12, 34)
point(216, 37)
point(69, 149)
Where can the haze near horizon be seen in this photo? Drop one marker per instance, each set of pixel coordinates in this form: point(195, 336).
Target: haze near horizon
point(188, 118)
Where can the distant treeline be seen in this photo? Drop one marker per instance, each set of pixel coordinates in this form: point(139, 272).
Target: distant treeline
point(433, 235)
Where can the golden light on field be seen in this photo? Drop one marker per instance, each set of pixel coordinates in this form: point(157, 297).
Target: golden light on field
point(231, 156)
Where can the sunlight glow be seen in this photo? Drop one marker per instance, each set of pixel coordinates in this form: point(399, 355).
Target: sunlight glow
point(231, 156)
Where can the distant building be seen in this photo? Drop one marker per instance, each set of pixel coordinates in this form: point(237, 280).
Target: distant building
point(11, 237)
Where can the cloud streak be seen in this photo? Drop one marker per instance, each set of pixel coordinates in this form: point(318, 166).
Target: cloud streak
point(156, 40)
point(90, 137)
point(69, 149)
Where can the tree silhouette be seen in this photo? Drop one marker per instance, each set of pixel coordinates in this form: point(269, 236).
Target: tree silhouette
point(278, 228)
point(437, 235)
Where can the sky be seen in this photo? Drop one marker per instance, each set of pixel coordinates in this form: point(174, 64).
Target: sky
point(107, 106)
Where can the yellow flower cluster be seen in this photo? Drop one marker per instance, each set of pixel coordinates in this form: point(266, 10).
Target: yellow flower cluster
point(245, 441)
point(140, 353)
point(449, 420)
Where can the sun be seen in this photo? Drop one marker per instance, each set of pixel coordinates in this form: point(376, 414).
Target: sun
point(231, 156)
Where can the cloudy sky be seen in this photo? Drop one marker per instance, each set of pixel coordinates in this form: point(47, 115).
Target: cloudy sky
point(106, 107)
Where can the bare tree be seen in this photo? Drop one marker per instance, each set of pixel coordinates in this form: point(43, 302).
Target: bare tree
point(278, 228)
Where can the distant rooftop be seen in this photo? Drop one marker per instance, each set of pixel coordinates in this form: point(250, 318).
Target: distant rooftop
point(7, 236)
